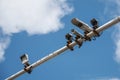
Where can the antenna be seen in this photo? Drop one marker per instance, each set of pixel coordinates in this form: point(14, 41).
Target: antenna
point(71, 42)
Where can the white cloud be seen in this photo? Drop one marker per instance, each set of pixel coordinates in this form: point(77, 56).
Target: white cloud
point(106, 78)
point(32, 16)
point(109, 79)
point(114, 79)
point(117, 34)
point(3, 45)
point(117, 42)
point(4, 42)
point(112, 9)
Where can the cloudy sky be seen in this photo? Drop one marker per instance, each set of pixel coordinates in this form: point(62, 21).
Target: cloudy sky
point(38, 27)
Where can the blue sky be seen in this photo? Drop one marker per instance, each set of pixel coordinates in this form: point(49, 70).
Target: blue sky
point(95, 60)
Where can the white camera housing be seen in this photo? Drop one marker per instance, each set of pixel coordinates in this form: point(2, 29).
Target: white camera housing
point(80, 24)
point(77, 33)
point(24, 58)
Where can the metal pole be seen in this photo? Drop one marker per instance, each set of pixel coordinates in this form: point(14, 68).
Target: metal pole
point(61, 50)
point(105, 26)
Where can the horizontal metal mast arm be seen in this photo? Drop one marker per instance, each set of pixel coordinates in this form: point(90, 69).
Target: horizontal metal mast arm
point(44, 59)
point(61, 50)
point(105, 26)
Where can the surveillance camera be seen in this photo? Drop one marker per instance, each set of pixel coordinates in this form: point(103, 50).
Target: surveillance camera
point(80, 24)
point(94, 22)
point(24, 59)
point(68, 36)
point(76, 22)
point(77, 33)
